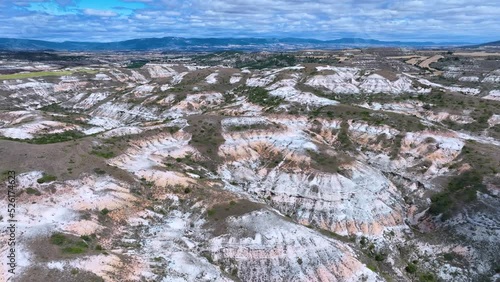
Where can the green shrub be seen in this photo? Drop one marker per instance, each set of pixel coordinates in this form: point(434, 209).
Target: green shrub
point(57, 239)
point(46, 178)
point(270, 61)
point(343, 137)
point(411, 268)
point(105, 211)
point(99, 171)
point(57, 137)
point(427, 277)
point(211, 212)
point(260, 96)
point(449, 256)
point(106, 155)
point(137, 64)
point(31, 191)
point(380, 257)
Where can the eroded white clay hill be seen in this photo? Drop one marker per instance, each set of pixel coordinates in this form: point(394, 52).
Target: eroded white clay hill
point(354, 165)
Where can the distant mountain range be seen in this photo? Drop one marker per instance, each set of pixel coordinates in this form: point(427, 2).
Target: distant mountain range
point(208, 44)
point(490, 44)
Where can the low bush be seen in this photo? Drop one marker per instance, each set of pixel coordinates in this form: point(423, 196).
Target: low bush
point(46, 178)
point(411, 268)
point(57, 137)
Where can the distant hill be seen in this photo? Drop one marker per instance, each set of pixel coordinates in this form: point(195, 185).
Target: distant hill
point(206, 44)
point(495, 44)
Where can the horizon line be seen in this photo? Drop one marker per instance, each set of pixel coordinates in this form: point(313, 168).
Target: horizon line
point(252, 37)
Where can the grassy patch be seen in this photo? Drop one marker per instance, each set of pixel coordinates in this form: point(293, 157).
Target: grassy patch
point(34, 74)
point(41, 74)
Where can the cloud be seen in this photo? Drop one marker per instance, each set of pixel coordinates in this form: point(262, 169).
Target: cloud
point(99, 13)
point(66, 3)
point(412, 20)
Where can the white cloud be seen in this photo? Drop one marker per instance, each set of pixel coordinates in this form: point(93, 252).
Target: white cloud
point(99, 13)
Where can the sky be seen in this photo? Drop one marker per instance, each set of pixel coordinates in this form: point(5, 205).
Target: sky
point(113, 20)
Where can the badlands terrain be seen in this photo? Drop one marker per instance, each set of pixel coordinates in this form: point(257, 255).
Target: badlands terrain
point(352, 165)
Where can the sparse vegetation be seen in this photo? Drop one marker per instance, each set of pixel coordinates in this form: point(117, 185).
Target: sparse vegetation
point(461, 189)
point(323, 161)
point(271, 61)
point(396, 146)
point(427, 277)
point(137, 64)
point(259, 96)
point(411, 268)
point(68, 245)
point(55, 108)
point(103, 154)
point(343, 137)
point(99, 171)
point(255, 126)
point(56, 137)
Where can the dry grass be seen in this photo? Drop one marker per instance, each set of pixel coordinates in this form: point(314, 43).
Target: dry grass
point(66, 160)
